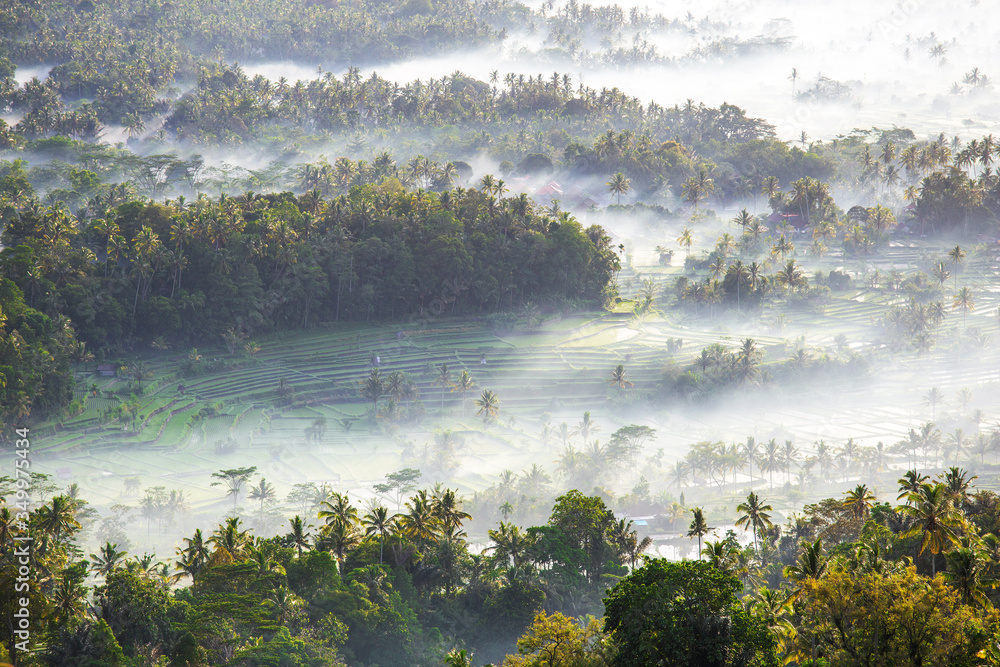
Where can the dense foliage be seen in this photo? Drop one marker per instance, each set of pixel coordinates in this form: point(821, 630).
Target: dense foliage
point(851, 580)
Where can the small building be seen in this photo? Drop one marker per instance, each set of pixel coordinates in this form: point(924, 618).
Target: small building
point(106, 370)
point(794, 220)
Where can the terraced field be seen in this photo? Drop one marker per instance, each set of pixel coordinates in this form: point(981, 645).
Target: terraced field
point(187, 427)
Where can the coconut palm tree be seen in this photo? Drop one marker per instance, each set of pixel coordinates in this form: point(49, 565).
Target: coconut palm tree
point(932, 398)
point(378, 522)
point(372, 387)
point(968, 571)
point(859, 501)
point(489, 406)
point(107, 560)
point(337, 509)
point(964, 300)
point(443, 380)
point(811, 563)
point(910, 483)
point(770, 460)
point(686, 239)
point(618, 377)
point(193, 555)
point(699, 527)
point(264, 492)
point(748, 452)
point(464, 384)
point(58, 518)
point(299, 537)
point(957, 256)
point(619, 185)
point(935, 519)
point(339, 538)
point(755, 516)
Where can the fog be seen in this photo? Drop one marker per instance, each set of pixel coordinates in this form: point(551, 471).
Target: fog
point(898, 64)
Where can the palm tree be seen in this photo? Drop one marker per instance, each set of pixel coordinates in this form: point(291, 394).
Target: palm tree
point(618, 377)
point(619, 185)
point(958, 482)
point(300, 534)
point(686, 239)
point(264, 492)
point(419, 523)
point(719, 554)
point(506, 509)
point(967, 570)
point(699, 527)
point(107, 559)
point(193, 555)
point(811, 563)
point(58, 518)
point(859, 501)
point(932, 398)
point(755, 516)
point(465, 384)
point(337, 537)
point(443, 380)
point(337, 509)
point(935, 517)
point(770, 460)
point(372, 387)
point(910, 483)
point(956, 255)
point(964, 300)
point(489, 406)
point(748, 452)
point(378, 522)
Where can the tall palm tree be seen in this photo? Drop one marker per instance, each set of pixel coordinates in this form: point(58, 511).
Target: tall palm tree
point(443, 380)
point(419, 523)
point(337, 537)
point(372, 387)
point(686, 239)
point(749, 453)
point(967, 570)
point(932, 398)
point(699, 527)
point(957, 256)
point(58, 518)
point(107, 559)
point(859, 501)
point(489, 406)
point(811, 563)
point(264, 492)
point(964, 300)
point(464, 384)
point(300, 534)
point(378, 522)
point(910, 484)
point(619, 185)
point(935, 518)
point(755, 516)
point(337, 509)
point(193, 555)
point(770, 460)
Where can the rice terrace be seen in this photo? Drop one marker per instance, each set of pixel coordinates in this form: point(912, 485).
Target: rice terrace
point(499, 333)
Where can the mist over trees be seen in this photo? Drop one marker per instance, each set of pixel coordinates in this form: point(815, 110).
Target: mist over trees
point(439, 332)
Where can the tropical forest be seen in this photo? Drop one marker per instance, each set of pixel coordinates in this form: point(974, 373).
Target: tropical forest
point(508, 333)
